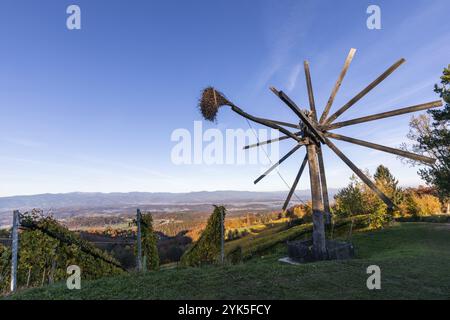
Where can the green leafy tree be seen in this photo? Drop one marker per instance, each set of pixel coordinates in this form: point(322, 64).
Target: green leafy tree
point(358, 199)
point(388, 184)
point(207, 249)
point(444, 92)
point(383, 177)
point(349, 201)
point(431, 135)
point(149, 242)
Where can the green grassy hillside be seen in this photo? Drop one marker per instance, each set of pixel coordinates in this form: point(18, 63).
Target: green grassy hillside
point(414, 259)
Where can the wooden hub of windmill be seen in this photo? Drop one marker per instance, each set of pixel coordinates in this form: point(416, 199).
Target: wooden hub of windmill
point(314, 134)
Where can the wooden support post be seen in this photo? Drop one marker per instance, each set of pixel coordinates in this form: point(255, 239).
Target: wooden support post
point(29, 276)
point(43, 277)
point(319, 244)
point(138, 240)
point(144, 263)
point(15, 249)
point(324, 187)
point(323, 180)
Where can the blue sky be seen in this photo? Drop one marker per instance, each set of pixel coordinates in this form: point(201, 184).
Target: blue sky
point(94, 109)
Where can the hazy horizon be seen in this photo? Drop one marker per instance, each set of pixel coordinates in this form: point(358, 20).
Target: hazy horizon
point(181, 192)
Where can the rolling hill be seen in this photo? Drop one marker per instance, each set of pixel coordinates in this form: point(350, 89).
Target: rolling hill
point(413, 258)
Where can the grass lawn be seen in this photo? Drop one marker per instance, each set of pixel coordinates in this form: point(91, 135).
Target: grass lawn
point(414, 259)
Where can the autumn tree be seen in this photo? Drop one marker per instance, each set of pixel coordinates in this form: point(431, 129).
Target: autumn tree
point(430, 134)
point(421, 205)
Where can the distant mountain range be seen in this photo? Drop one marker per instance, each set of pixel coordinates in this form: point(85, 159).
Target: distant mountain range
point(87, 203)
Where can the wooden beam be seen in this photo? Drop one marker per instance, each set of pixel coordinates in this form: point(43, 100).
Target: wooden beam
point(294, 186)
point(264, 122)
point(380, 147)
point(14, 250)
point(319, 244)
point(138, 241)
point(312, 103)
point(222, 236)
point(281, 138)
point(287, 155)
point(337, 85)
point(321, 167)
point(366, 90)
point(419, 107)
point(285, 124)
point(303, 117)
point(323, 183)
point(360, 174)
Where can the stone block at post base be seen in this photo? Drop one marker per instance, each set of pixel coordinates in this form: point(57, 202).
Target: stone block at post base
point(302, 251)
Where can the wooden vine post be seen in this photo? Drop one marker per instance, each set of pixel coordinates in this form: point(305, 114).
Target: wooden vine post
point(222, 237)
point(15, 249)
point(138, 240)
point(315, 133)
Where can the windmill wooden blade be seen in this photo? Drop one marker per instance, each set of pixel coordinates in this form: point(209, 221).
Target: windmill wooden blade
point(419, 107)
point(272, 140)
point(287, 155)
point(285, 124)
point(349, 59)
point(265, 122)
point(366, 90)
point(294, 186)
point(312, 103)
point(360, 174)
point(380, 147)
point(303, 117)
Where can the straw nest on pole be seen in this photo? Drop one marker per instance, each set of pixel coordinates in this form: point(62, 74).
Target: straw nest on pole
point(210, 102)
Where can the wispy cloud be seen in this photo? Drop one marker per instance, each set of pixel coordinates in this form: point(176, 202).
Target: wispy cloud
point(284, 40)
point(292, 81)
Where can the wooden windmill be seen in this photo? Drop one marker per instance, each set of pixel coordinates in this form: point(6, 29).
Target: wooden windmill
point(314, 133)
